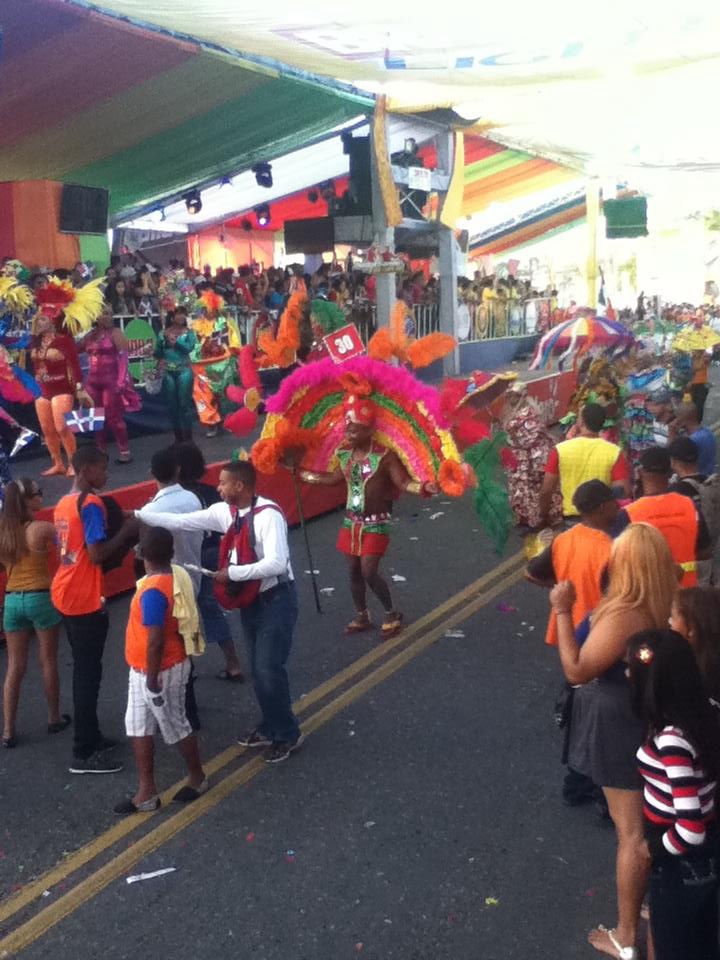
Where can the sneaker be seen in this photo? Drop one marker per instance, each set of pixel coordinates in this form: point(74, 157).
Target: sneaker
point(95, 764)
point(277, 752)
point(254, 739)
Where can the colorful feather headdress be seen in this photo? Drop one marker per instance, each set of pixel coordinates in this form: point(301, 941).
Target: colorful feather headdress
point(78, 308)
point(16, 298)
point(308, 412)
point(393, 342)
point(280, 351)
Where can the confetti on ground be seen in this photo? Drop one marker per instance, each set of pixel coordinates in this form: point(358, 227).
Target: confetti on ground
point(398, 579)
point(327, 590)
point(250, 837)
point(491, 901)
point(358, 947)
point(369, 823)
point(316, 572)
point(386, 920)
point(414, 538)
point(434, 516)
point(46, 893)
point(506, 608)
point(454, 634)
point(290, 856)
point(150, 876)
point(590, 893)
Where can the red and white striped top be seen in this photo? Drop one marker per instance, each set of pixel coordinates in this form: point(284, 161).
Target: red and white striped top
point(678, 794)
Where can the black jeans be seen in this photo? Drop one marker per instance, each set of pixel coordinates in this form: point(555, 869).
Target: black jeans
point(698, 395)
point(684, 908)
point(87, 634)
point(268, 625)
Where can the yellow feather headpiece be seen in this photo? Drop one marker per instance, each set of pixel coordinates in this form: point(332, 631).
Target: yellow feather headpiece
point(18, 296)
point(81, 306)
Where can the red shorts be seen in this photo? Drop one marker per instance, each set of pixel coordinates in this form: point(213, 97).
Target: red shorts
point(356, 542)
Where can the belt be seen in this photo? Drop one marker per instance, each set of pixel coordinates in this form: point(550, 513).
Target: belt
point(35, 590)
point(272, 591)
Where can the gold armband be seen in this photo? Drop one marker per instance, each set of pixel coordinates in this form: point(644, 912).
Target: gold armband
point(414, 486)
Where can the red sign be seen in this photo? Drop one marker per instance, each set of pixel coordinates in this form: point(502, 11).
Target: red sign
point(344, 343)
point(552, 394)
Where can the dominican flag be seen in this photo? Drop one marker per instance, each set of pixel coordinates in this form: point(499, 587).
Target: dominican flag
point(22, 440)
point(86, 421)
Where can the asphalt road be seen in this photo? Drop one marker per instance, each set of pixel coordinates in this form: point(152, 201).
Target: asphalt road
point(421, 820)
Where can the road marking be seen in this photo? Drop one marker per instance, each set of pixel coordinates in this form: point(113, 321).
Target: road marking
point(91, 886)
point(85, 854)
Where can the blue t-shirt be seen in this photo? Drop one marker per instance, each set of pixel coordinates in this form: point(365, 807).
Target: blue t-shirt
point(153, 604)
point(93, 521)
point(704, 439)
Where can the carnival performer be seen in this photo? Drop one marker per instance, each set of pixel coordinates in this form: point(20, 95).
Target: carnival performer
point(374, 475)
point(212, 360)
point(64, 312)
point(530, 443)
point(174, 346)
point(109, 383)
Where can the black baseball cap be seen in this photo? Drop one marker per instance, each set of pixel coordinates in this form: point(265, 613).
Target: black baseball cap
point(684, 449)
point(591, 495)
point(656, 460)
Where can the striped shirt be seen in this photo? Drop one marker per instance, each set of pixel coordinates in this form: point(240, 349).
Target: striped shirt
point(679, 799)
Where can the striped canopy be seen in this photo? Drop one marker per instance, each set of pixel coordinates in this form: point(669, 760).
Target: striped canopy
point(90, 99)
point(580, 333)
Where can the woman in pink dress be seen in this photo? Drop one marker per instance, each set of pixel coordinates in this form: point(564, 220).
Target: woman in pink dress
point(108, 381)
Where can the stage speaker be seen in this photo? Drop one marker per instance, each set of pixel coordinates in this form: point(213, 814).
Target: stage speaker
point(360, 189)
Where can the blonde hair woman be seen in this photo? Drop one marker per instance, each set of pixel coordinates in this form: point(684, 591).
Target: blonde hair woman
point(605, 734)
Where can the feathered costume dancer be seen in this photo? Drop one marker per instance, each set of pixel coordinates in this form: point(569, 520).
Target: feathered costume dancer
point(17, 306)
point(64, 313)
point(469, 404)
point(379, 430)
point(396, 343)
point(212, 359)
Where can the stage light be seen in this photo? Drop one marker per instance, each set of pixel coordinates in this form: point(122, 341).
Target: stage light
point(411, 146)
point(262, 215)
point(346, 138)
point(263, 174)
point(313, 196)
point(193, 201)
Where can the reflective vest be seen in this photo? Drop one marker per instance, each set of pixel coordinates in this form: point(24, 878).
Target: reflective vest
point(579, 555)
point(675, 516)
point(582, 459)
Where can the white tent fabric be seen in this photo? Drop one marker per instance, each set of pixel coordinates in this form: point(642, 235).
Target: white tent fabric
point(625, 87)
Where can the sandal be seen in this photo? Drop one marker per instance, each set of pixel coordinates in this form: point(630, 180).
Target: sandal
point(617, 951)
point(361, 623)
point(61, 724)
point(392, 626)
point(230, 677)
point(127, 807)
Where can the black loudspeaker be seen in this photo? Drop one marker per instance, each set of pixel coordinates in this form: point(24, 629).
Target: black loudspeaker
point(83, 209)
point(625, 217)
point(359, 201)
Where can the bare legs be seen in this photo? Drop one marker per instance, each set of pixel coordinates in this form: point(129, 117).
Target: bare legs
point(632, 867)
point(364, 573)
point(144, 750)
point(18, 644)
point(51, 414)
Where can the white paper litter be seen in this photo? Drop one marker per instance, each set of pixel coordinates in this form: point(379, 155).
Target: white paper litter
point(454, 634)
point(369, 824)
point(414, 538)
point(327, 589)
point(440, 513)
point(398, 579)
point(308, 572)
point(149, 876)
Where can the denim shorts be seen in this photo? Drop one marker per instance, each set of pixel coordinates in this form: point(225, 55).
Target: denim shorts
point(29, 610)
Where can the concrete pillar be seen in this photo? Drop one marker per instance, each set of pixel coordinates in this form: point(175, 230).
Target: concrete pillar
point(449, 261)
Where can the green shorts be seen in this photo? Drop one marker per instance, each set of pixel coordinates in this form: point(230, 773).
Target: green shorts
point(31, 610)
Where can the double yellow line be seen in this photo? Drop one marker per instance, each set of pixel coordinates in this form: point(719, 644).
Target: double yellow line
point(414, 640)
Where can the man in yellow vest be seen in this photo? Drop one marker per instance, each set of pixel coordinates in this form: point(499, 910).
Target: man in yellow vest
point(586, 457)
point(676, 516)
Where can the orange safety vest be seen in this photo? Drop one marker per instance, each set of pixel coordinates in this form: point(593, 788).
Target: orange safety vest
point(675, 516)
point(580, 555)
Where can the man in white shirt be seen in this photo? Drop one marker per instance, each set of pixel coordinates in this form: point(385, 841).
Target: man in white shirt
point(268, 622)
point(172, 498)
